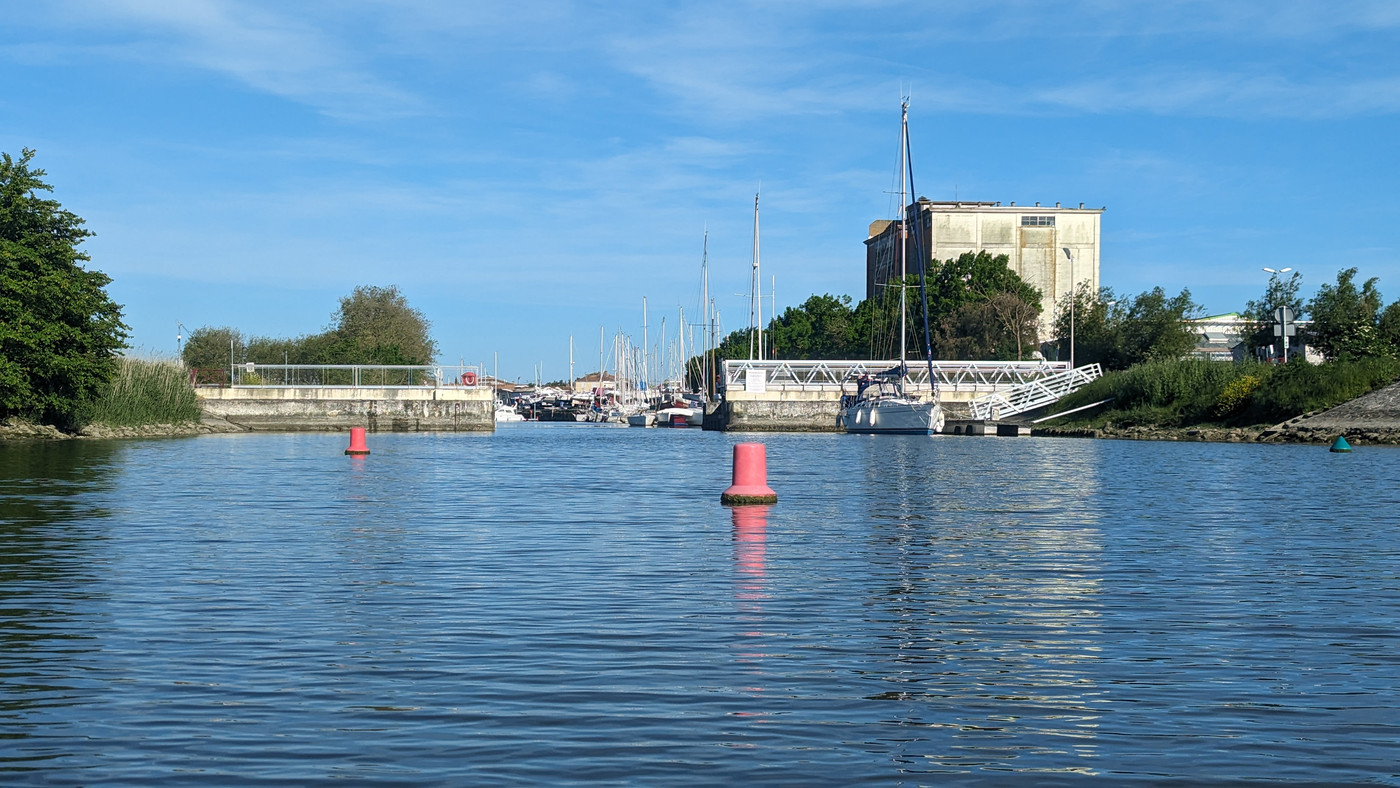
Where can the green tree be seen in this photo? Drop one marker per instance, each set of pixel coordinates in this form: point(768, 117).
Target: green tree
point(821, 328)
point(59, 330)
point(980, 308)
point(972, 277)
point(1097, 339)
point(1389, 328)
point(1345, 318)
point(210, 348)
point(1154, 326)
point(1002, 327)
point(1119, 332)
point(1260, 312)
point(376, 325)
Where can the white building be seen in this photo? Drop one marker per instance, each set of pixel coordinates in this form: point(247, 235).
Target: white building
point(1032, 237)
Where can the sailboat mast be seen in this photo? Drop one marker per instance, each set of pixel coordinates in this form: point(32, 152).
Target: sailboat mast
point(756, 291)
point(645, 379)
point(705, 306)
point(571, 361)
point(903, 222)
point(924, 259)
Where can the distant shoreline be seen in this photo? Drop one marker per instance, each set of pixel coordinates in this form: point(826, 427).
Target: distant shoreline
point(15, 430)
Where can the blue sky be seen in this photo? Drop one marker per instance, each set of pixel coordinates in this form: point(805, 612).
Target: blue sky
point(529, 170)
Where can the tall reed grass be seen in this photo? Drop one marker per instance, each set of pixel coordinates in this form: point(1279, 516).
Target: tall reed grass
point(148, 391)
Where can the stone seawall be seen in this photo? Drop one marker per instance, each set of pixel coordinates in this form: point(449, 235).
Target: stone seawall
point(774, 416)
point(792, 412)
point(295, 408)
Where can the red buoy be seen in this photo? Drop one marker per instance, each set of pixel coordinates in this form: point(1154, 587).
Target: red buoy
point(750, 477)
point(357, 441)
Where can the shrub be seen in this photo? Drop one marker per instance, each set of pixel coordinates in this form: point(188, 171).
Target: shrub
point(1235, 394)
point(1297, 388)
point(1166, 393)
point(1193, 391)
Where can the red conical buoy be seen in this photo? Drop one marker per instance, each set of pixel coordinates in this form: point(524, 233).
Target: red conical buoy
point(357, 441)
point(750, 477)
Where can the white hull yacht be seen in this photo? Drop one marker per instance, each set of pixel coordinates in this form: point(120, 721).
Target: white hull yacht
point(881, 403)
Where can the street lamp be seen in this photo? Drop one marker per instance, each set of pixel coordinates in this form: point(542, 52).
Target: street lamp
point(1283, 325)
point(1072, 298)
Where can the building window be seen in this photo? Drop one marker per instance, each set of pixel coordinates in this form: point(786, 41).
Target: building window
point(1037, 221)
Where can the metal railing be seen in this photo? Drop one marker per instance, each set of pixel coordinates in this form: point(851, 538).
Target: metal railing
point(951, 376)
point(1033, 394)
point(356, 375)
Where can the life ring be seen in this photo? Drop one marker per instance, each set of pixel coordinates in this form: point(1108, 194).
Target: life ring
point(468, 378)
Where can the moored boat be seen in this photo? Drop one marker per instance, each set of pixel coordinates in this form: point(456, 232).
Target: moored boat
point(882, 403)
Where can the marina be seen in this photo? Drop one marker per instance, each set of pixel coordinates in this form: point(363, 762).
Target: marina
point(525, 607)
point(1075, 463)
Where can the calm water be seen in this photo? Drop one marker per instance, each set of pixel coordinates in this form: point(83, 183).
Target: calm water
point(560, 603)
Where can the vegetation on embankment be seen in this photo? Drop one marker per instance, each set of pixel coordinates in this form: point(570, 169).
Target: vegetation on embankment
point(147, 391)
point(144, 396)
point(1199, 393)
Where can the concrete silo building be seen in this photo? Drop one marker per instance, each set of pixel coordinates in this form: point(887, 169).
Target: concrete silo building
point(1032, 237)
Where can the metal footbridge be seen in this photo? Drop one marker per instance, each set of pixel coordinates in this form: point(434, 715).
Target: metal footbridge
point(1032, 394)
point(967, 377)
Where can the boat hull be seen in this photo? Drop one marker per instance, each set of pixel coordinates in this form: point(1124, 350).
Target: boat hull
point(893, 417)
point(680, 417)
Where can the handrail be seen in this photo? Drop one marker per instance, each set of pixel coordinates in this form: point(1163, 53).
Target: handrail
point(1033, 394)
point(416, 376)
point(949, 375)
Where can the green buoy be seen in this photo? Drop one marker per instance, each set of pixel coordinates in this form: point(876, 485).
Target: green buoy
point(1340, 444)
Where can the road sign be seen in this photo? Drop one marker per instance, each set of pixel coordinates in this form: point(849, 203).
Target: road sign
point(1283, 315)
point(1290, 330)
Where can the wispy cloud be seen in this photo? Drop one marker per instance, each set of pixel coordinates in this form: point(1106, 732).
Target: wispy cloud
point(264, 50)
point(1215, 94)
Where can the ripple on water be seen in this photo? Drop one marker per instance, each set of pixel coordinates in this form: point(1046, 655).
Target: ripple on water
point(557, 603)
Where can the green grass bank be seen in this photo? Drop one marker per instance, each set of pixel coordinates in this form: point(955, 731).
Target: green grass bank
point(147, 391)
point(1198, 393)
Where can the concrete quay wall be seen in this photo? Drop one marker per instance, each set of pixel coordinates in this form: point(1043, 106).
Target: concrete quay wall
point(812, 410)
point(309, 408)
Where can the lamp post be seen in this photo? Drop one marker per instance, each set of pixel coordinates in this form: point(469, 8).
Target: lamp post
point(1283, 337)
point(1072, 299)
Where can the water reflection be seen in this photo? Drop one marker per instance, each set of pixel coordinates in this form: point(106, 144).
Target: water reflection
point(988, 594)
point(750, 545)
point(264, 608)
point(51, 509)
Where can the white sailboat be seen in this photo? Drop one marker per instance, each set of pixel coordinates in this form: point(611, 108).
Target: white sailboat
point(881, 403)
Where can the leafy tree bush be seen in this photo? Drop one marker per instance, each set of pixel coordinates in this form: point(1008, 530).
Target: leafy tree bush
point(374, 325)
point(59, 330)
point(1260, 313)
point(209, 347)
point(1388, 327)
point(1119, 332)
point(822, 327)
point(1235, 394)
point(1345, 319)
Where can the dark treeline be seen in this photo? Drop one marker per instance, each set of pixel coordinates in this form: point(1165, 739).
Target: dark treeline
point(978, 309)
point(374, 325)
